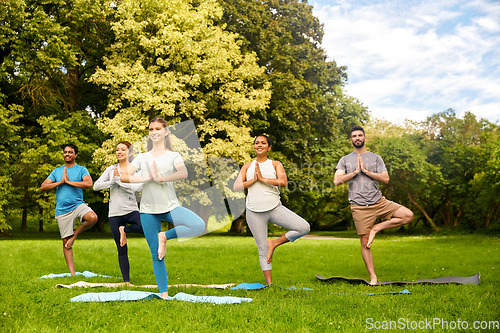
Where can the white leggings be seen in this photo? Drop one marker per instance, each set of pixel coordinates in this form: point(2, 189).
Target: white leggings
point(281, 216)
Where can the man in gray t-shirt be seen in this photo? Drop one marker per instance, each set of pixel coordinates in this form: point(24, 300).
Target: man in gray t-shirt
point(363, 170)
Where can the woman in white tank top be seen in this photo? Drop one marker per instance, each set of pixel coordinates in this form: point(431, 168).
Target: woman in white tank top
point(262, 178)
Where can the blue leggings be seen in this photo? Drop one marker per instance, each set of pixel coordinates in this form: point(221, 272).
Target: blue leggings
point(187, 224)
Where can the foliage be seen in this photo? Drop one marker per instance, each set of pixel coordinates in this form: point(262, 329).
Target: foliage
point(169, 59)
point(459, 147)
point(443, 168)
point(47, 51)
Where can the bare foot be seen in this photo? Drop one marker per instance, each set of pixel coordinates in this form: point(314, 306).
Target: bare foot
point(162, 245)
point(270, 250)
point(371, 237)
point(123, 236)
point(374, 282)
point(164, 295)
point(69, 243)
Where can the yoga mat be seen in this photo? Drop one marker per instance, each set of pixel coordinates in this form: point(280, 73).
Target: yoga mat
point(476, 279)
point(404, 292)
point(255, 286)
point(134, 295)
point(85, 284)
point(85, 273)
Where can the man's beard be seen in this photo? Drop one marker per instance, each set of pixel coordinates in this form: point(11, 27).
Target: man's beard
point(358, 145)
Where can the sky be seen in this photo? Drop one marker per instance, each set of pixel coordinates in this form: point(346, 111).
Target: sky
point(410, 59)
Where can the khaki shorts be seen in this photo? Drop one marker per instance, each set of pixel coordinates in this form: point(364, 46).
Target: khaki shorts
point(66, 221)
point(365, 216)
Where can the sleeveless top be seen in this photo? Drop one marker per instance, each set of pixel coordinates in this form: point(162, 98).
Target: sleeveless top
point(262, 197)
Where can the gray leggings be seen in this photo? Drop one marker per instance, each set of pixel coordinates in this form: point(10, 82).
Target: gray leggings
point(281, 216)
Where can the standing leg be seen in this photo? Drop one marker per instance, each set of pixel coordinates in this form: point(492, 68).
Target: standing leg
point(68, 256)
point(257, 222)
point(366, 253)
point(151, 224)
point(285, 218)
point(115, 223)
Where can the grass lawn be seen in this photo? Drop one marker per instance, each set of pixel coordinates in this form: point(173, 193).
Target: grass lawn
point(29, 304)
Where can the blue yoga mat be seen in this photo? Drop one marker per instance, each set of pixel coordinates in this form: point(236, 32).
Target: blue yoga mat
point(85, 273)
point(255, 286)
point(134, 295)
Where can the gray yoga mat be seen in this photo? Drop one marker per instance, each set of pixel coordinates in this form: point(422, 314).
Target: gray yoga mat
point(476, 279)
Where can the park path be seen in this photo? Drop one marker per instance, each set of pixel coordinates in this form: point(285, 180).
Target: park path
point(324, 237)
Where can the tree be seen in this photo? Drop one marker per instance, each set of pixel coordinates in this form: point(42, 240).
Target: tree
point(47, 50)
point(286, 38)
point(413, 180)
point(169, 59)
point(456, 146)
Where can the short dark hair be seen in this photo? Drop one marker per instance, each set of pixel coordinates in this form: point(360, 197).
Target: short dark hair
point(357, 128)
point(72, 146)
point(267, 138)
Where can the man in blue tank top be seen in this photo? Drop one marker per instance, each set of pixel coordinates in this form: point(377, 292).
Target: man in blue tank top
point(363, 170)
point(69, 180)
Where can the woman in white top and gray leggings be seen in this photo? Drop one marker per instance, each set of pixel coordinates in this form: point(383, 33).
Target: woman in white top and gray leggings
point(262, 178)
point(124, 216)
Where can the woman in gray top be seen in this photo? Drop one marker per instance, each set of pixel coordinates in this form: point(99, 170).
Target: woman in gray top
point(124, 216)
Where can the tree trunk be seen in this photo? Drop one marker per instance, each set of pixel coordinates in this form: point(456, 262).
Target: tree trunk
point(73, 78)
point(447, 213)
point(421, 209)
point(238, 226)
point(40, 220)
point(24, 220)
point(455, 222)
point(486, 223)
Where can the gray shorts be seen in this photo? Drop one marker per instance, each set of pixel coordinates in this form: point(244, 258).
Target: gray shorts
point(66, 221)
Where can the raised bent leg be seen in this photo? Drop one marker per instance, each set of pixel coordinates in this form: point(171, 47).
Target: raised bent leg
point(88, 221)
point(401, 217)
point(285, 218)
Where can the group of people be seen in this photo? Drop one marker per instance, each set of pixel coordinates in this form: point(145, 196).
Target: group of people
point(154, 172)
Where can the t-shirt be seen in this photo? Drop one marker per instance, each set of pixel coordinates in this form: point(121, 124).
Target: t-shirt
point(158, 197)
point(363, 190)
point(68, 197)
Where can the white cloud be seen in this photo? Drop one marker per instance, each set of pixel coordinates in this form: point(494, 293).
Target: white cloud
point(413, 59)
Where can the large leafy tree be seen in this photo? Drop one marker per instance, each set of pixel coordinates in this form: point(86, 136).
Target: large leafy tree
point(309, 115)
point(47, 50)
point(304, 107)
point(457, 147)
point(486, 182)
point(170, 59)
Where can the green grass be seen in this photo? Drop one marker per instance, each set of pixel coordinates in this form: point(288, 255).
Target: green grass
point(29, 304)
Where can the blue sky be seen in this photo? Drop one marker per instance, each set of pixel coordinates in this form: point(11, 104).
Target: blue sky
point(413, 58)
